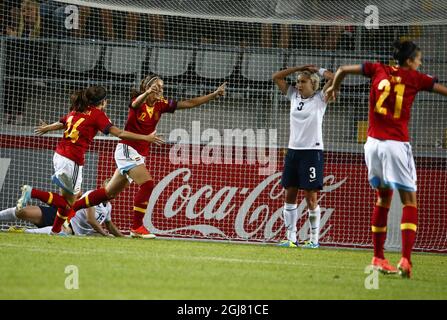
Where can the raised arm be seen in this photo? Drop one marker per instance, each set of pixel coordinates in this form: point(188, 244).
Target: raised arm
point(126, 135)
point(331, 92)
point(439, 88)
point(44, 127)
point(142, 97)
point(195, 102)
point(279, 77)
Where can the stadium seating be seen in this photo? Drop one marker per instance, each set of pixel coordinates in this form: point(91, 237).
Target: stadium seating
point(260, 67)
point(79, 57)
point(205, 65)
point(133, 57)
point(168, 62)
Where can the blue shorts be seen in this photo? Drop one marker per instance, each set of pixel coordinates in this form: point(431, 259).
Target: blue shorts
point(303, 169)
point(48, 216)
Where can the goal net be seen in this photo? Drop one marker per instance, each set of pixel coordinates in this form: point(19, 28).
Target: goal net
point(218, 175)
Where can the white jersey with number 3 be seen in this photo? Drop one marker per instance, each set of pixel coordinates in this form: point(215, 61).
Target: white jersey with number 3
point(306, 120)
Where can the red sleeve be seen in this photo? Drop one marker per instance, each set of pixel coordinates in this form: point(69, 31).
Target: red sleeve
point(426, 82)
point(369, 69)
point(168, 105)
point(131, 101)
point(63, 120)
point(103, 123)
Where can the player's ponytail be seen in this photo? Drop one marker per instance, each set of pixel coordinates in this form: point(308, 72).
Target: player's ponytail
point(81, 100)
point(76, 100)
point(404, 51)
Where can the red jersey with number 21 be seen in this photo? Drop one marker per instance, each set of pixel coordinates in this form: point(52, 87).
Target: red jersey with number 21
point(80, 129)
point(393, 90)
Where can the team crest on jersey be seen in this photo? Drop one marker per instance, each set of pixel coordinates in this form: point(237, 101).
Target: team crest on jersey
point(150, 111)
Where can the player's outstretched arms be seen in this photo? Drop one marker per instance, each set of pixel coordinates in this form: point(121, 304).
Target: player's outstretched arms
point(44, 127)
point(195, 102)
point(332, 91)
point(439, 88)
point(279, 77)
point(126, 135)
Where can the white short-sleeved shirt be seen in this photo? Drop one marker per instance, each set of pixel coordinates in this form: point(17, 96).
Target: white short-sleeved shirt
point(306, 120)
point(79, 223)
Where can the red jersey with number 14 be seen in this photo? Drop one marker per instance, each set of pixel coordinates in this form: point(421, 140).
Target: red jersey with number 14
point(144, 119)
point(393, 90)
point(80, 129)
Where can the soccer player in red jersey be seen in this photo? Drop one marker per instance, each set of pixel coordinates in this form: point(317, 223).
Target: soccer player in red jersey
point(388, 152)
point(85, 119)
point(145, 109)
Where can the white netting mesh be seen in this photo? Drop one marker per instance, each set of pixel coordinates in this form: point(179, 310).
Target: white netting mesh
point(195, 46)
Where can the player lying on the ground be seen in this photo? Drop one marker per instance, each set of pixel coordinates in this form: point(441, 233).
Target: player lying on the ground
point(388, 154)
point(303, 164)
point(85, 222)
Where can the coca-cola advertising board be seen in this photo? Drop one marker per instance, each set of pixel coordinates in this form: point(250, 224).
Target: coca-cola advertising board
point(233, 201)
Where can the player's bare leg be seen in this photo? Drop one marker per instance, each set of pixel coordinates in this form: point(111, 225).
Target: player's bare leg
point(31, 214)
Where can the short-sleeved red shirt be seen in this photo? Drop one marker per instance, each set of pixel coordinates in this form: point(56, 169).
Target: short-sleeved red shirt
point(144, 119)
point(393, 90)
point(80, 129)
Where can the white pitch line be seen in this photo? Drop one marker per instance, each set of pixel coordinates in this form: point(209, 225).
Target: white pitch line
point(168, 256)
point(190, 258)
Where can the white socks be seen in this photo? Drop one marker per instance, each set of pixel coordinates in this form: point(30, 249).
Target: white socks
point(45, 230)
point(314, 219)
point(290, 214)
point(8, 215)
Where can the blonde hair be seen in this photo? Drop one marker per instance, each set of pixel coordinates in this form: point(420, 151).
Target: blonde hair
point(35, 32)
point(314, 78)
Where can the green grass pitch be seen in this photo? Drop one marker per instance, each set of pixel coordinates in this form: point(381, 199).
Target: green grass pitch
point(33, 267)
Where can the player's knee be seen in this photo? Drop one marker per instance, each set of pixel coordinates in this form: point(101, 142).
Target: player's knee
point(21, 214)
point(384, 197)
point(312, 203)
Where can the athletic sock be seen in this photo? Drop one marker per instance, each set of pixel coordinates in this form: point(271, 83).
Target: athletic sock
point(408, 228)
point(314, 219)
point(8, 215)
point(378, 228)
point(140, 203)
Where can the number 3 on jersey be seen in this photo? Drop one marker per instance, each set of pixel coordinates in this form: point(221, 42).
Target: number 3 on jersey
point(385, 85)
point(72, 132)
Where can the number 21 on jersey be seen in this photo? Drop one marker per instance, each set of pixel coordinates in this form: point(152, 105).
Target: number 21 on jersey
point(399, 89)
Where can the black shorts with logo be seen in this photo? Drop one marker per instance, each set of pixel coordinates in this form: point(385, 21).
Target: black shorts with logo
point(303, 169)
point(48, 216)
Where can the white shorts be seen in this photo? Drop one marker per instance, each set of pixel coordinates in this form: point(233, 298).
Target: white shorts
point(127, 158)
point(67, 174)
point(390, 164)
